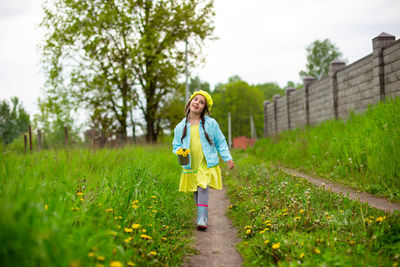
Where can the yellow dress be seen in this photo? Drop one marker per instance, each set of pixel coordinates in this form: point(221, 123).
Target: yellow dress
point(199, 174)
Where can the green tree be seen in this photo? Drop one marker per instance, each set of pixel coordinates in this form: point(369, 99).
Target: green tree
point(113, 55)
point(55, 113)
point(319, 56)
point(242, 100)
point(14, 120)
point(269, 90)
point(197, 84)
point(294, 85)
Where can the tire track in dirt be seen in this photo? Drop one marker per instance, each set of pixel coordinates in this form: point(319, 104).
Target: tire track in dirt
point(363, 197)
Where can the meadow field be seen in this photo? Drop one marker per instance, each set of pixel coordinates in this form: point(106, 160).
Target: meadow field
point(284, 220)
point(116, 207)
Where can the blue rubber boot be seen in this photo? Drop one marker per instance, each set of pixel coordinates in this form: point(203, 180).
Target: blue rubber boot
point(202, 217)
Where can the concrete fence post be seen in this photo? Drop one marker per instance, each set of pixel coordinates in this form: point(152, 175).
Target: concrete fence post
point(334, 67)
point(266, 102)
point(378, 72)
point(307, 81)
point(288, 91)
point(276, 98)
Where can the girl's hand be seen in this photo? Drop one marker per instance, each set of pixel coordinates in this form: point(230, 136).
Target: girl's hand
point(231, 164)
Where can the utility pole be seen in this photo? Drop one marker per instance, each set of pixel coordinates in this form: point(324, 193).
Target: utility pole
point(253, 132)
point(186, 72)
point(229, 130)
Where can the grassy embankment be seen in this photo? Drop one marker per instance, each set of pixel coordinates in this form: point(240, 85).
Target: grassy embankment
point(363, 152)
point(286, 221)
point(83, 208)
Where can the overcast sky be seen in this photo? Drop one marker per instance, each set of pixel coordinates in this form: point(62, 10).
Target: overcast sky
point(259, 40)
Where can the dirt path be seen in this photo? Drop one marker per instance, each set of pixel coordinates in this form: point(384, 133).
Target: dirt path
point(216, 246)
point(373, 201)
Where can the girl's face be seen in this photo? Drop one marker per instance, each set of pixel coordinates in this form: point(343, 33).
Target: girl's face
point(198, 104)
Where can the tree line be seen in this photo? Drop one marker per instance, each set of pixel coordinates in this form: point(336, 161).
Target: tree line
point(115, 59)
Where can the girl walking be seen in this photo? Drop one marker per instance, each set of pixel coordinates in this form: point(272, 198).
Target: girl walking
point(202, 136)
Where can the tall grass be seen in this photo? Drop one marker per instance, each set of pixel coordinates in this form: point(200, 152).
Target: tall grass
point(86, 207)
point(363, 152)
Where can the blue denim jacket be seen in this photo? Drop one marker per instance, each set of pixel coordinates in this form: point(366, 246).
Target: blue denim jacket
point(210, 151)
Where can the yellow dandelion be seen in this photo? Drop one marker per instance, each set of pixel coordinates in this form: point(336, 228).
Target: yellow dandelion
point(297, 218)
point(144, 230)
point(109, 210)
point(248, 227)
point(301, 255)
point(352, 242)
point(253, 210)
point(135, 226)
point(230, 206)
point(46, 207)
point(116, 264)
point(81, 199)
point(276, 245)
point(146, 237)
point(91, 254)
point(266, 229)
point(163, 238)
point(267, 221)
point(263, 231)
point(248, 231)
point(153, 197)
point(380, 219)
point(135, 206)
point(317, 251)
point(341, 210)
point(130, 263)
point(128, 230)
point(100, 258)
point(95, 248)
point(99, 265)
point(127, 240)
point(153, 253)
point(245, 243)
point(266, 242)
point(301, 211)
point(79, 194)
point(135, 202)
point(155, 211)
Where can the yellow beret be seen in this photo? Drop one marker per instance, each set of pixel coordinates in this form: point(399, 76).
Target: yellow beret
point(206, 95)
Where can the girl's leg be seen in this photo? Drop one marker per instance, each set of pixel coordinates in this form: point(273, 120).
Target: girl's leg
point(202, 206)
point(202, 198)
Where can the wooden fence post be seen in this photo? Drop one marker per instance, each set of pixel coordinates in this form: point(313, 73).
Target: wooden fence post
point(30, 138)
point(25, 142)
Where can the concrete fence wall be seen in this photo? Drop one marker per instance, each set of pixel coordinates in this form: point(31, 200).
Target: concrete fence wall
point(354, 87)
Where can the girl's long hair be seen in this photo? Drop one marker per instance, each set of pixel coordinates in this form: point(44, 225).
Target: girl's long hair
point(187, 112)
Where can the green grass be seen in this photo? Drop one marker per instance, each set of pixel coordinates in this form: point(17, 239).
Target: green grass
point(362, 152)
point(286, 221)
point(76, 208)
